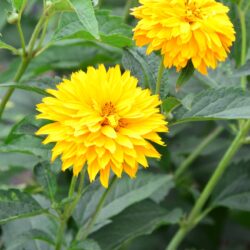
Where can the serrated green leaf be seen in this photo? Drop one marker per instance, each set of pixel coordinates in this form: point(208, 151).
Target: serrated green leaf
point(145, 68)
point(123, 194)
point(139, 219)
point(233, 190)
point(86, 14)
point(212, 104)
point(15, 204)
point(46, 178)
point(111, 28)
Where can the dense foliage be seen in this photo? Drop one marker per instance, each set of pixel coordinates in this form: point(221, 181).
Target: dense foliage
point(197, 196)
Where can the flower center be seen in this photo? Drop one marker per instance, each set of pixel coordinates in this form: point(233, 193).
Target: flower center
point(110, 117)
point(108, 109)
point(192, 12)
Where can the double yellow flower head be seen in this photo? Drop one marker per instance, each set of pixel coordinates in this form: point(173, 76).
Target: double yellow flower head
point(102, 120)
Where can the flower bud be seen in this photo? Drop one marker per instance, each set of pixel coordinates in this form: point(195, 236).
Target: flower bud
point(12, 18)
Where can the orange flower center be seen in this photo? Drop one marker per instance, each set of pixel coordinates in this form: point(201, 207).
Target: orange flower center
point(110, 117)
point(108, 109)
point(192, 12)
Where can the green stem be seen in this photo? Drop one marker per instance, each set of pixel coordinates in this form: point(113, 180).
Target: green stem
point(25, 60)
point(72, 186)
point(35, 34)
point(194, 216)
point(127, 10)
point(82, 235)
point(65, 216)
point(24, 64)
point(242, 16)
point(159, 78)
point(43, 34)
point(23, 43)
point(187, 162)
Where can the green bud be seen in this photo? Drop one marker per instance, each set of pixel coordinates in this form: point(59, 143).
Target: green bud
point(12, 18)
point(48, 4)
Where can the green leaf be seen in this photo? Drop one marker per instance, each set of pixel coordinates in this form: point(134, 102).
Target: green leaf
point(212, 104)
point(145, 68)
point(15, 204)
point(33, 234)
point(24, 87)
point(46, 178)
point(185, 75)
point(242, 71)
point(61, 5)
point(22, 139)
point(30, 233)
point(125, 192)
point(112, 29)
point(4, 45)
point(87, 244)
point(170, 103)
point(18, 4)
point(233, 190)
point(139, 219)
point(86, 14)
point(38, 86)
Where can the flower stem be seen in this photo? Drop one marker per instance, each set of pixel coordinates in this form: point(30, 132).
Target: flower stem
point(25, 58)
point(194, 216)
point(83, 234)
point(242, 16)
point(127, 10)
point(24, 64)
point(159, 78)
point(20, 31)
point(187, 162)
point(65, 216)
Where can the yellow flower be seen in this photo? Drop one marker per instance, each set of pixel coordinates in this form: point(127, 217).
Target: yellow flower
point(103, 119)
point(197, 30)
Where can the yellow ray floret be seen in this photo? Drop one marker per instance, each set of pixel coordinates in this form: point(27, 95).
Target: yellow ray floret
point(183, 30)
point(100, 117)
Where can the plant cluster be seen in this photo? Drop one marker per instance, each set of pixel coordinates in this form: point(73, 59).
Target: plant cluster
point(145, 146)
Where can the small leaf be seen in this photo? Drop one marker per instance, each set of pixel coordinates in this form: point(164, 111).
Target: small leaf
point(15, 204)
point(46, 178)
point(170, 103)
point(222, 103)
point(185, 75)
point(86, 14)
point(139, 219)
